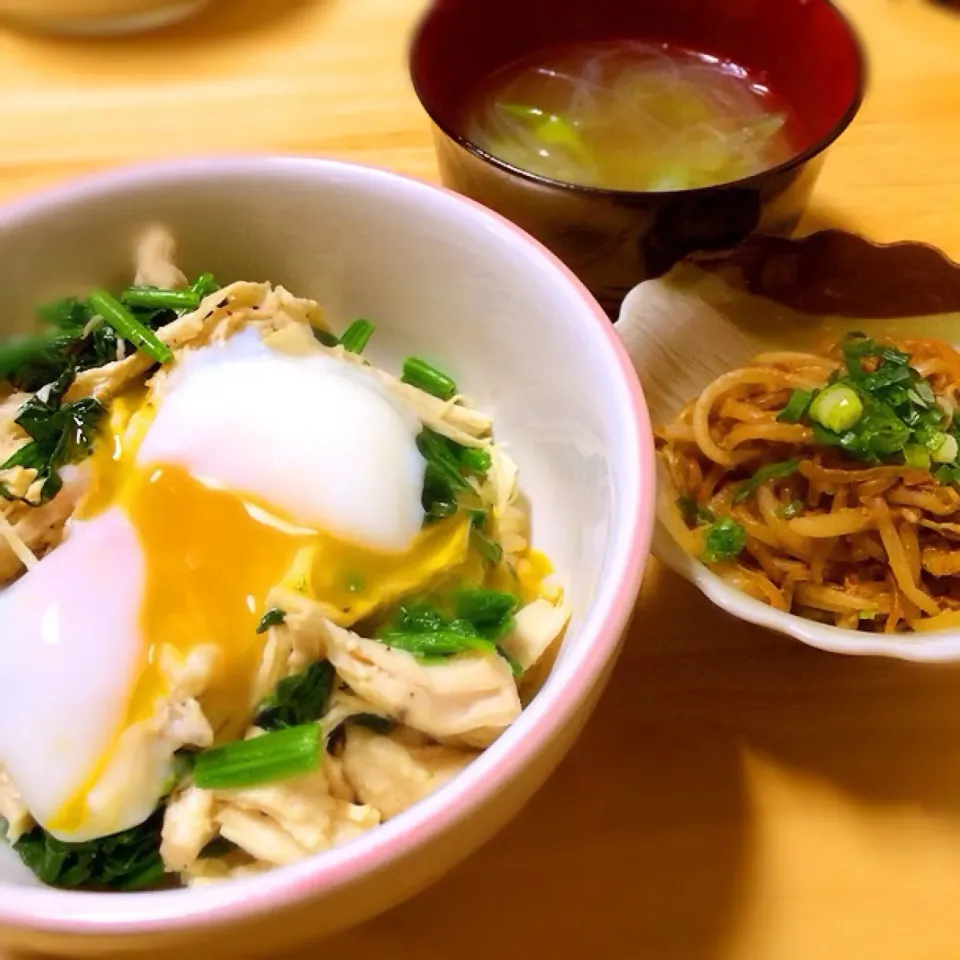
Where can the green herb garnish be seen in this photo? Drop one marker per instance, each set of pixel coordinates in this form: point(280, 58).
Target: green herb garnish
point(693, 513)
point(885, 414)
point(793, 509)
point(947, 474)
point(325, 337)
point(796, 407)
point(475, 460)
point(272, 618)
point(838, 407)
point(723, 541)
point(204, 285)
point(123, 862)
point(426, 377)
point(488, 548)
point(158, 298)
point(443, 483)
point(299, 699)
point(772, 471)
point(120, 319)
point(490, 611)
point(421, 629)
point(59, 433)
point(247, 763)
point(356, 337)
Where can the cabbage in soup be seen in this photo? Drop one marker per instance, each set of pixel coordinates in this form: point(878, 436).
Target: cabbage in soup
point(631, 115)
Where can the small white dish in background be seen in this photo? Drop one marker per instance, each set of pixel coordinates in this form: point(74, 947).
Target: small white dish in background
point(446, 279)
point(684, 330)
point(97, 17)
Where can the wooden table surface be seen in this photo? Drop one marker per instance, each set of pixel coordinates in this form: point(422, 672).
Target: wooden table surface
point(737, 796)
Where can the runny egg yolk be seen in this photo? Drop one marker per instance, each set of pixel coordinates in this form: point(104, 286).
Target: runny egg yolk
point(212, 556)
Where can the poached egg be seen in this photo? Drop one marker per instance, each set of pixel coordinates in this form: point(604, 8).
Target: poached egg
point(244, 468)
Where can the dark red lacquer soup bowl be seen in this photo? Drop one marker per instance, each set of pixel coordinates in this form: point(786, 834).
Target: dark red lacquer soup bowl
point(804, 50)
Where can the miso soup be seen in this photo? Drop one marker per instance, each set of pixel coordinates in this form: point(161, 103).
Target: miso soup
point(632, 115)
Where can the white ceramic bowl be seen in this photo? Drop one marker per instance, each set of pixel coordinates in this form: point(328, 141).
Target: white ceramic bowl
point(439, 276)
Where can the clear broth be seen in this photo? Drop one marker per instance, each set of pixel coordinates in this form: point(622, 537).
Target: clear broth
point(632, 115)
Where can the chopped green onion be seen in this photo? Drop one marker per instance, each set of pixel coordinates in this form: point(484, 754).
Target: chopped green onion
point(838, 408)
point(723, 541)
point(475, 459)
point(796, 407)
point(248, 763)
point(155, 298)
point(272, 618)
point(356, 337)
point(204, 285)
point(793, 509)
point(916, 455)
point(947, 451)
point(924, 393)
point(949, 473)
point(120, 319)
point(325, 337)
point(692, 511)
point(426, 377)
point(771, 471)
point(551, 129)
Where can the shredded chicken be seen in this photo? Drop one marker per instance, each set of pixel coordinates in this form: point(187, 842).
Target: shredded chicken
point(39, 529)
point(390, 775)
point(233, 866)
point(291, 646)
point(471, 700)
point(274, 824)
point(188, 826)
point(537, 626)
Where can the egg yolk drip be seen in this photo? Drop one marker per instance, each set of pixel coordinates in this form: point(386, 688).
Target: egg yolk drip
point(212, 556)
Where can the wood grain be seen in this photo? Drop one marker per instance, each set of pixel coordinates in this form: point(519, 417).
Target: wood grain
point(738, 797)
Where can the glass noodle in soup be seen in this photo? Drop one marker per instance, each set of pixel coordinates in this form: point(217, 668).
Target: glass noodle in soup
point(632, 115)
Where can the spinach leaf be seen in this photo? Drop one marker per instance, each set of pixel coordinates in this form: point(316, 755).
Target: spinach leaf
point(299, 699)
point(60, 434)
point(125, 861)
point(480, 617)
point(272, 618)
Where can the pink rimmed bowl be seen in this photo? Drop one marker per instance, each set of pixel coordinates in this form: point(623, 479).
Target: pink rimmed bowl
point(442, 277)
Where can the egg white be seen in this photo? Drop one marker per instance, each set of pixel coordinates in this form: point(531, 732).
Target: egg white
point(315, 442)
point(70, 649)
point(315, 438)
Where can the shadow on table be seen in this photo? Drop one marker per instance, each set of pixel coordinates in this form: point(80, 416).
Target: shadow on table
point(884, 731)
point(635, 847)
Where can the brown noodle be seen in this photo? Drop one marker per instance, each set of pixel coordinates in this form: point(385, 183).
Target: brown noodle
point(862, 546)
